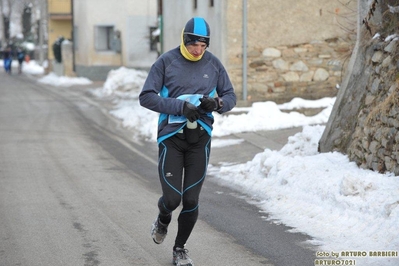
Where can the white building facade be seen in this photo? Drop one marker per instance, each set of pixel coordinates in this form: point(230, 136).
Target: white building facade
point(110, 34)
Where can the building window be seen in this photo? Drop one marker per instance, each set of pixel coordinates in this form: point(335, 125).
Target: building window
point(211, 3)
point(104, 35)
point(195, 4)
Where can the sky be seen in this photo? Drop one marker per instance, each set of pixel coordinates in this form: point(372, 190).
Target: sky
point(351, 214)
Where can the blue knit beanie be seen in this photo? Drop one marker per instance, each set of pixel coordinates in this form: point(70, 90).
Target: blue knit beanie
point(196, 30)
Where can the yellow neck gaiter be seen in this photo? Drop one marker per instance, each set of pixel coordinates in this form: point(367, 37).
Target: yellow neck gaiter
point(185, 52)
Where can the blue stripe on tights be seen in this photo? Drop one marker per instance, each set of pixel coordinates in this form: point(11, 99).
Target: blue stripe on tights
point(196, 207)
point(206, 162)
point(163, 155)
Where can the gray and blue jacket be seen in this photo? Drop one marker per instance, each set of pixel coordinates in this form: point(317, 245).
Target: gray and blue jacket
point(173, 79)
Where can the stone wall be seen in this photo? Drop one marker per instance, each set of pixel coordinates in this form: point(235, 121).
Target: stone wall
point(375, 142)
point(364, 122)
point(296, 48)
point(310, 70)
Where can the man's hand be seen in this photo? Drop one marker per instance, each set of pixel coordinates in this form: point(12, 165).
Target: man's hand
point(208, 104)
point(190, 111)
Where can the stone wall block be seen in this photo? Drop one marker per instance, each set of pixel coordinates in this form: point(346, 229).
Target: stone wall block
point(369, 99)
point(393, 122)
point(280, 89)
point(321, 75)
point(358, 153)
point(257, 63)
point(291, 76)
point(377, 57)
point(289, 53)
point(385, 142)
point(379, 134)
point(394, 112)
point(365, 143)
point(395, 153)
point(376, 166)
point(389, 163)
point(334, 65)
point(394, 66)
point(271, 52)
point(387, 61)
point(392, 132)
point(306, 77)
point(300, 50)
point(281, 64)
point(374, 146)
point(315, 62)
point(375, 86)
point(368, 131)
point(337, 73)
point(325, 56)
point(369, 159)
point(299, 66)
point(391, 47)
point(262, 69)
point(384, 119)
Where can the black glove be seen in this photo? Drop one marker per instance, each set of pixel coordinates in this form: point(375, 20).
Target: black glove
point(208, 104)
point(190, 111)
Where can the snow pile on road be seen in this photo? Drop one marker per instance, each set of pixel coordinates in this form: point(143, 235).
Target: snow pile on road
point(53, 79)
point(323, 195)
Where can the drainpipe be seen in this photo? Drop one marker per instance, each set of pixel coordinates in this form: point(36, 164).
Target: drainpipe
point(73, 38)
point(43, 10)
point(161, 32)
point(244, 50)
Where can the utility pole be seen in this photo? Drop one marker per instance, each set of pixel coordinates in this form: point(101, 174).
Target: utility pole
point(42, 12)
point(2, 26)
point(244, 50)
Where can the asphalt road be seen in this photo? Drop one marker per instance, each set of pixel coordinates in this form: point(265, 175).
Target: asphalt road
point(77, 189)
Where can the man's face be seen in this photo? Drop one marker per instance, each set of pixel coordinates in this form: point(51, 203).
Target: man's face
point(196, 49)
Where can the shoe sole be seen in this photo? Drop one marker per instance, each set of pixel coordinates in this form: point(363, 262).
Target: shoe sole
point(174, 262)
point(153, 235)
point(187, 264)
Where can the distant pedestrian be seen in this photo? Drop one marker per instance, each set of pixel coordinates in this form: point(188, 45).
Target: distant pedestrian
point(7, 59)
point(57, 49)
point(185, 85)
point(20, 57)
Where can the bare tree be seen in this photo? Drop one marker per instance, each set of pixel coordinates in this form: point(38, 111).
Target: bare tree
point(2, 36)
point(5, 8)
point(12, 10)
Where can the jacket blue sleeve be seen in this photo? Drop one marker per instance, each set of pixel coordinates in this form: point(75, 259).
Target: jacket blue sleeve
point(150, 94)
point(226, 92)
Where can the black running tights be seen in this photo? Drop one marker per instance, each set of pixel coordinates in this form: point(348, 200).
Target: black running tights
point(182, 169)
